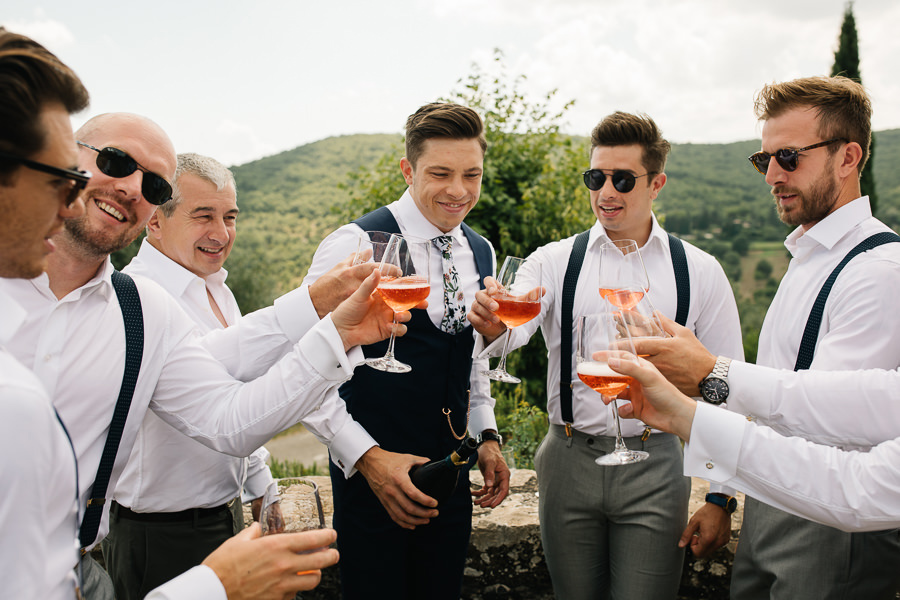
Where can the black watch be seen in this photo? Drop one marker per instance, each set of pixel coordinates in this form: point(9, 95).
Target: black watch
point(714, 387)
point(729, 503)
point(488, 435)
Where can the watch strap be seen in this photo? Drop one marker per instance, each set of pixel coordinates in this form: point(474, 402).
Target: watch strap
point(728, 503)
point(490, 436)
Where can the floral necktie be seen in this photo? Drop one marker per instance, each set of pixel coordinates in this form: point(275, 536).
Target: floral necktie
point(454, 319)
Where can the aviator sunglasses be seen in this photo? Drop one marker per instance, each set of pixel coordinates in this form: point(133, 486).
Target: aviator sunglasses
point(117, 163)
point(78, 179)
point(623, 181)
point(787, 158)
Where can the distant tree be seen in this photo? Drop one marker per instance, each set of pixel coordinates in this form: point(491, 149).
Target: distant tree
point(763, 270)
point(846, 63)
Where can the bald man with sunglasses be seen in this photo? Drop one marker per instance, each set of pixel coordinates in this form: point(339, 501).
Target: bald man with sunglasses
point(618, 531)
point(231, 390)
point(835, 309)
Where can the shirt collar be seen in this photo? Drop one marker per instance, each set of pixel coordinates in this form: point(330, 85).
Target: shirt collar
point(657, 235)
point(832, 229)
point(415, 223)
point(171, 275)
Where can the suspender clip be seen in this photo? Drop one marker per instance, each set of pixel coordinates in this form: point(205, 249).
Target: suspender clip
point(568, 435)
point(646, 434)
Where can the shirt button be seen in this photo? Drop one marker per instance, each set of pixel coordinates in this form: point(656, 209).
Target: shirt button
point(48, 357)
point(710, 464)
point(590, 441)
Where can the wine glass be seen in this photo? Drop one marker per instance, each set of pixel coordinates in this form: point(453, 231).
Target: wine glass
point(405, 282)
point(371, 246)
point(518, 305)
point(641, 319)
point(291, 505)
point(622, 268)
point(299, 506)
point(597, 337)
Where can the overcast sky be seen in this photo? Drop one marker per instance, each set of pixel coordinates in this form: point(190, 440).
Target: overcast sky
point(240, 80)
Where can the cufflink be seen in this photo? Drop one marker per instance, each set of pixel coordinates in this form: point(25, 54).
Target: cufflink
point(710, 465)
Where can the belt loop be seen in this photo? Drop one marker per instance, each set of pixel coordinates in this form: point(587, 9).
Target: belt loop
point(568, 435)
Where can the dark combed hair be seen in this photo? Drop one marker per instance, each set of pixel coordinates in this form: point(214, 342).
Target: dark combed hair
point(842, 105)
point(626, 129)
point(31, 77)
point(441, 120)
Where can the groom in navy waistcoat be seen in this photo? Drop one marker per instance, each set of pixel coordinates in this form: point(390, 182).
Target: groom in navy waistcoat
point(394, 542)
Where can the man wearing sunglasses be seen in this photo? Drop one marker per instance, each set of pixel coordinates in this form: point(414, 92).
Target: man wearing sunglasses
point(231, 390)
point(815, 142)
point(39, 509)
point(618, 531)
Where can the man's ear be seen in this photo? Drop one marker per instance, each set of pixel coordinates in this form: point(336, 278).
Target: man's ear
point(153, 226)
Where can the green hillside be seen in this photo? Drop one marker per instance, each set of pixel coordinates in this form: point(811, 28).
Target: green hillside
point(713, 197)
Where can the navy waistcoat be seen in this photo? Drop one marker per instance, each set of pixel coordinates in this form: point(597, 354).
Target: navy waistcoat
point(403, 412)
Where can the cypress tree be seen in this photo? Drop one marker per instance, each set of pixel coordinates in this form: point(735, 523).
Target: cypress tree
point(846, 63)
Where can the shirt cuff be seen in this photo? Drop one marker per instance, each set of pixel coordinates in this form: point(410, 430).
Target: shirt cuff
point(257, 481)
point(199, 583)
point(295, 313)
point(348, 445)
point(481, 418)
point(323, 348)
point(493, 349)
point(716, 438)
point(750, 389)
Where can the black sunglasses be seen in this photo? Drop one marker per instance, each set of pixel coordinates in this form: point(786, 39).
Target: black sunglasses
point(623, 181)
point(787, 158)
point(79, 179)
point(117, 163)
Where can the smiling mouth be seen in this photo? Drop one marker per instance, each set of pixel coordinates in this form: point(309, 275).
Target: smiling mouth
point(609, 209)
point(110, 210)
point(213, 251)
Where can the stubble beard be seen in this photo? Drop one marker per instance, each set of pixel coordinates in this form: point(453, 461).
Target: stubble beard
point(812, 205)
point(92, 242)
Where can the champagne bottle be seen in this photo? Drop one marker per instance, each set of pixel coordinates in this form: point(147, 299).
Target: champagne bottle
point(438, 478)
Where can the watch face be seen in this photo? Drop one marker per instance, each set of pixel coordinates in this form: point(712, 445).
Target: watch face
point(714, 390)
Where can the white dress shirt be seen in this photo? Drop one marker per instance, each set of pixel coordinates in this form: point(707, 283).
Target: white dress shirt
point(38, 513)
point(76, 347)
point(859, 330)
point(713, 315)
point(168, 471)
point(346, 439)
point(850, 490)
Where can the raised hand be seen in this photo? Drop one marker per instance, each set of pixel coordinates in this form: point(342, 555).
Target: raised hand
point(335, 286)
point(681, 358)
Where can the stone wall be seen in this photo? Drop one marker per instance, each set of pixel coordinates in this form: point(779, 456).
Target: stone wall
point(505, 559)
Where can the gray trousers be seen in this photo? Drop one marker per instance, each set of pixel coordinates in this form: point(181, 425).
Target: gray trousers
point(141, 556)
point(612, 532)
point(783, 557)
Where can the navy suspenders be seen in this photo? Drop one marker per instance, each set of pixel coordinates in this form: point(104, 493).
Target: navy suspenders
point(130, 304)
point(576, 259)
point(811, 332)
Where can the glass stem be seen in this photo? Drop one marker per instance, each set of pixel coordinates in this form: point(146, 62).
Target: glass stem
point(620, 443)
point(502, 366)
point(390, 350)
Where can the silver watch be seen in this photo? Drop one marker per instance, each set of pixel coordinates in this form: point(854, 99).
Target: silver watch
point(714, 387)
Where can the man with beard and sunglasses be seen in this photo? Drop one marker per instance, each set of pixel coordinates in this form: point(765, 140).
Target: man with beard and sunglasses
point(834, 310)
point(231, 389)
point(618, 531)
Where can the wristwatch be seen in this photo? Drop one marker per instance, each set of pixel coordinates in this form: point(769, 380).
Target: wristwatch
point(729, 503)
point(714, 387)
point(488, 435)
